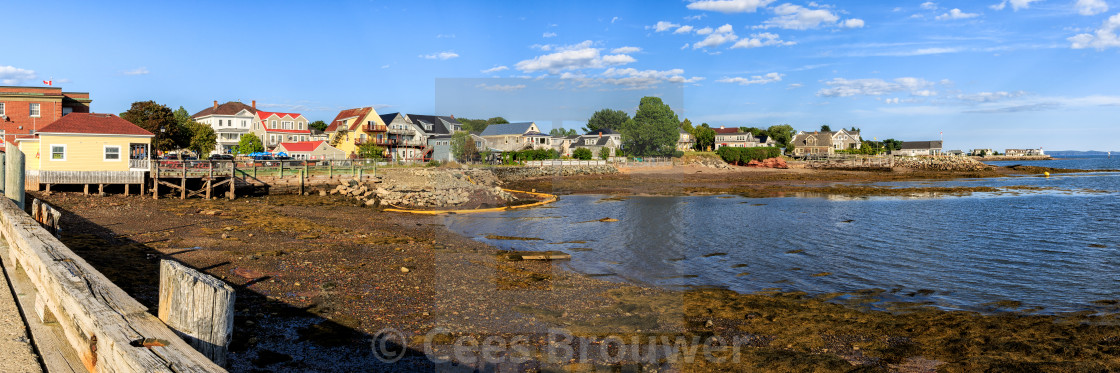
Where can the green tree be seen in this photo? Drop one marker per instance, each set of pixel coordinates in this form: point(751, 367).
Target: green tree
point(653, 131)
point(705, 137)
point(249, 143)
point(582, 154)
point(319, 125)
point(159, 120)
point(607, 119)
point(892, 144)
point(604, 153)
point(686, 125)
point(826, 128)
point(754, 131)
point(368, 150)
point(562, 132)
point(463, 147)
point(203, 138)
point(782, 134)
point(476, 126)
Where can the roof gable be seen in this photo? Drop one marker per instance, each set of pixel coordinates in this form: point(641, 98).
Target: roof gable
point(347, 114)
point(507, 129)
point(266, 114)
point(229, 108)
point(94, 124)
point(303, 146)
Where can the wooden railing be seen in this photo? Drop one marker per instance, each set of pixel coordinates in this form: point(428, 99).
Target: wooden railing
point(139, 163)
point(107, 329)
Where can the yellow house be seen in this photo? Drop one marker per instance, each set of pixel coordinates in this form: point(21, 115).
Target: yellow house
point(86, 148)
point(352, 127)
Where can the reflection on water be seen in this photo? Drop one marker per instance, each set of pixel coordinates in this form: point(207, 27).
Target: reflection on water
point(1044, 248)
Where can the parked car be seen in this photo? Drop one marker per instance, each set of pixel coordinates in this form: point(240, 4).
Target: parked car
point(221, 157)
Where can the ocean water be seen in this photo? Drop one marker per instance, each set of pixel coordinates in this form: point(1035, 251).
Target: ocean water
point(1051, 243)
point(1084, 162)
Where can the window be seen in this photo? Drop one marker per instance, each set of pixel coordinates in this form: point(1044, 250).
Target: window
point(58, 152)
point(286, 125)
point(219, 122)
point(273, 124)
point(112, 153)
point(300, 125)
point(243, 124)
point(67, 110)
point(2, 109)
point(34, 110)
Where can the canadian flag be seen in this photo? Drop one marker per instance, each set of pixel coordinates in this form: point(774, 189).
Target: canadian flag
point(48, 82)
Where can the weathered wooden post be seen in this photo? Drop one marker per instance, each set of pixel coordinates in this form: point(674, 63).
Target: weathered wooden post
point(281, 174)
point(232, 180)
point(183, 181)
point(13, 178)
point(3, 171)
point(210, 179)
point(330, 169)
point(155, 182)
point(198, 307)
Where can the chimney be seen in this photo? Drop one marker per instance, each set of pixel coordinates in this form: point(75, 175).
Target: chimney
point(720, 127)
point(600, 134)
point(215, 104)
point(254, 104)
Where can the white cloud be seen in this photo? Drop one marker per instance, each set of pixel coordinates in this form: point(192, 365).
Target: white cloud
point(495, 69)
point(956, 14)
point(704, 31)
point(446, 55)
point(663, 26)
point(840, 87)
point(500, 87)
point(729, 6)
point(724, 34)
point(631, 78)
point(929, 5)
point(1104, 38)
point(549, 35)
point(761, 40)
point(573, 57)
point(626, 50)
point(11, 75)
point(757, 79)
point(615, 19)
point(683, 30)
point(445, 36)
point(618, 59)
point(1091, 7)
point(695, 17)
point(796, 17)
point(1015, 4)
point(985, 97)
point(136, 71)
point(384, 66)
point(852, 23)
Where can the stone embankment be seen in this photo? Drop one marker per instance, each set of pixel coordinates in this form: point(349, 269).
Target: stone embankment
point(709, 162)
point(427, 188)
point(940, 164)
point(518, 173)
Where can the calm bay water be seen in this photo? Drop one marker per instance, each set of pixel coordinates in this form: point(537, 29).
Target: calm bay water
point(1057, 248)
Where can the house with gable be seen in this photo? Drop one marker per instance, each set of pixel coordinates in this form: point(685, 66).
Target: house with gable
point(230, 121)
point(824, 142)
point(734, 137)
point(87, 148)
point(274, 128)
point(310, 150)
point(512, 136)
point(24, 110)
point(352, 127)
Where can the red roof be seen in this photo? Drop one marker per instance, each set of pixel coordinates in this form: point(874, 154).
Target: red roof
point(348, 113)
point(726, 130)
point(303, 146)
point(265, 114)
point(98, 124)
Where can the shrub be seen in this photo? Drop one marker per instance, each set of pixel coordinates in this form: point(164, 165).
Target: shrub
point(582, 154)
point(604, 153)
point(741, 156)
point(678, 154)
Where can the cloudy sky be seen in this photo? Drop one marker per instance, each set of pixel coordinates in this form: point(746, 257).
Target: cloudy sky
point(986, 73)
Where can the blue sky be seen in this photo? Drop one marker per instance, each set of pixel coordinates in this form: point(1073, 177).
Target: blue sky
point(989, 74)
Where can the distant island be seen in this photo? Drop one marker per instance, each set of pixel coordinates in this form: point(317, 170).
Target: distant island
point(1061, 153)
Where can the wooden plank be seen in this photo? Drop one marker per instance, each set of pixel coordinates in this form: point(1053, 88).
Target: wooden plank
point(48, 338)
point(100, 322)
point(199, 307)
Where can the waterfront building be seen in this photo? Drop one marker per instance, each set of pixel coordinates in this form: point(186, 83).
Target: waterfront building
point(230, 121)
point(25, 110)
point(86, 148)
point(916, 148)
point(310, 150)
